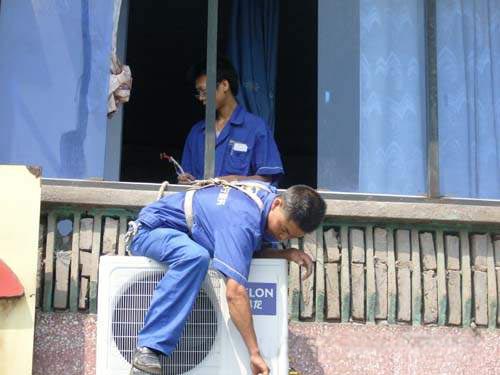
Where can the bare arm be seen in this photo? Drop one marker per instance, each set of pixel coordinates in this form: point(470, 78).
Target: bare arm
point(241, 315)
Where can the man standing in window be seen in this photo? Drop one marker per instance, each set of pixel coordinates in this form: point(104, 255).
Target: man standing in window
point(244, 148)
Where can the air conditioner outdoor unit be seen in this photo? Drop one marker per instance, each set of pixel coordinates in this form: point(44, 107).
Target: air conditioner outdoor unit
point(210, 344)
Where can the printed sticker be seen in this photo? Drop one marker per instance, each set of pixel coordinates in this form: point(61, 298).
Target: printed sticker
point(262, 298)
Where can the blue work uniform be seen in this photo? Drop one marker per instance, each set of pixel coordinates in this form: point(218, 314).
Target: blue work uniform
point(228, 227)
point(245, 147)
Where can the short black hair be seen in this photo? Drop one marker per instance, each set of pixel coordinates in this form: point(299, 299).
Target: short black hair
point(304, 206)
point(225, 71)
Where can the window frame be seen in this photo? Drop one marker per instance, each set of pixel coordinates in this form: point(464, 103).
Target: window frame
point(212, 25)
point(433, 191)
point(432, 126)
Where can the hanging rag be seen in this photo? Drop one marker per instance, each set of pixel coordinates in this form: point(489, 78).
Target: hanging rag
point(120, 80)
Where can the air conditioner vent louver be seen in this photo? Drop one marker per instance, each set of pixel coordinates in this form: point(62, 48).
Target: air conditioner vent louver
point(131, 304)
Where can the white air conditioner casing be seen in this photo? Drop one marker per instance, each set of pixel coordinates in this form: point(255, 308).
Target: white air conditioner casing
point(211, 344)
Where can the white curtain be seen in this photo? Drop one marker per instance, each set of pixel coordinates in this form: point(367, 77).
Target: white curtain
point(468, 39)
point(392, 97)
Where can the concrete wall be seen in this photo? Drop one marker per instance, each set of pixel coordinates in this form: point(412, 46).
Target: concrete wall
point(315, 349)
point(20, 208)
point(352, 349)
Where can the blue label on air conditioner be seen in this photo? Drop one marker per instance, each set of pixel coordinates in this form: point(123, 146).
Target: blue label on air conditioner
point(262, 298)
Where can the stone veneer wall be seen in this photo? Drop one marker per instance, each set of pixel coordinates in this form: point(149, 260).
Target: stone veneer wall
point(365, 272)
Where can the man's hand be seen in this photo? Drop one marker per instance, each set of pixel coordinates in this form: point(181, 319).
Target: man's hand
point(301, 258)
point(185, 179)
point(258, 365)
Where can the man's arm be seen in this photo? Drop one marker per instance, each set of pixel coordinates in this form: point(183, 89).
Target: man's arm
point(241, 315)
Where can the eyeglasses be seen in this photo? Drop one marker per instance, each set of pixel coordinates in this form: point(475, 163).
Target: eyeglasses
point(202, 93)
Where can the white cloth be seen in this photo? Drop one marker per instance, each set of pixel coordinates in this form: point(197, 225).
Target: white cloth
point(120, 84)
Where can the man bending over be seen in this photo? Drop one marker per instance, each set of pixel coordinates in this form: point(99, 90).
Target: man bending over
point(223, 223)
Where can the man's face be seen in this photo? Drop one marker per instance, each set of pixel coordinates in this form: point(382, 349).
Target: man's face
point(279, 225)
point(220, 93)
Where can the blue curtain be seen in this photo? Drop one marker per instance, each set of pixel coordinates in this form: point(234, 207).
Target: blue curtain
point(392, 136)
point(54, 76)
point(468, 38)
point(252, 48)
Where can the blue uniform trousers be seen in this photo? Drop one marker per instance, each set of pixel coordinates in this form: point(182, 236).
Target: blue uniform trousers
point(175, 294)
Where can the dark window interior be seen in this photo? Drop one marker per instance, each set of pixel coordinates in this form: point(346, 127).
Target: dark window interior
point(296, 96)
point(164, 39)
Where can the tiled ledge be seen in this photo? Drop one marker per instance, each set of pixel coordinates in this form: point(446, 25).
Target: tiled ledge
point(342, 206)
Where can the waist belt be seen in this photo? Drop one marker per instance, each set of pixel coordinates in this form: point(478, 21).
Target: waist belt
point(248, 188)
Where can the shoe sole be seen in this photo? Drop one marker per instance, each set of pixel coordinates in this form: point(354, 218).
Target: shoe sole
point(137, 370)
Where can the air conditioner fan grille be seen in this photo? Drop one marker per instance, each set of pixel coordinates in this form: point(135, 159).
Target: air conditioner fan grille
point(131, 304)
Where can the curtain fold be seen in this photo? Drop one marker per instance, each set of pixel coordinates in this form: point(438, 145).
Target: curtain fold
point(252, 48)
point(468, 41)
point(392, 98)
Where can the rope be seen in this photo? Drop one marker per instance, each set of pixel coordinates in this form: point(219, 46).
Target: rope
point(249, 189)
point(133, 227)
point(163, 187)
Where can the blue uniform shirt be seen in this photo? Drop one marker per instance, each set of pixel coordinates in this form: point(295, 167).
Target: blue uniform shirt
point(227, 223)
point(245, 147)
